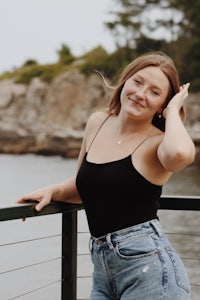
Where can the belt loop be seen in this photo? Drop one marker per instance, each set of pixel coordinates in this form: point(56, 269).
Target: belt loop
point(90, 244)
point(109, 242)
point(156, 227)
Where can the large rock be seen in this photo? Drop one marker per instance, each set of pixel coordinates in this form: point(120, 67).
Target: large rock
point(50, 118)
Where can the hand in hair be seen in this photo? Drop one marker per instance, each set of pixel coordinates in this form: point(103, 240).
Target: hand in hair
point(177, 101)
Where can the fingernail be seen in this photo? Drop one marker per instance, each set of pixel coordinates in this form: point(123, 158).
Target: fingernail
point(36, 208)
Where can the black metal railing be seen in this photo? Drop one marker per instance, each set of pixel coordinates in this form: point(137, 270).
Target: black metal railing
point(69, 231)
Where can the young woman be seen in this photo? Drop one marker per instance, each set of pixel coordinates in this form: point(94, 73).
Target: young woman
point(129, 151)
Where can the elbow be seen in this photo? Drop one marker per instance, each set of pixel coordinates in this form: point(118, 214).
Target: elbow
point(191, 155)
point(183, 160)
point(179, 160)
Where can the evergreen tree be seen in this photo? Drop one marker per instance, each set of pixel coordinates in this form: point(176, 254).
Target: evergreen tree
point(172, 26)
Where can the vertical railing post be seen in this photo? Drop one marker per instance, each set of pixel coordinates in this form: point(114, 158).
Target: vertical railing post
point(69, 256)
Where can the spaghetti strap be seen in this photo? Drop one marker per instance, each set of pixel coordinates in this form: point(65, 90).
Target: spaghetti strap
point(146, 138)
point(98, 132)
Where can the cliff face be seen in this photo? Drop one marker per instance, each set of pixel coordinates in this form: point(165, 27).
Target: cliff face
point(50, 118)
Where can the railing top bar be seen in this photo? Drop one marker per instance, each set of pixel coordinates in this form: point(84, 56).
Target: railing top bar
point(180, 202)
point(20, 211)
point(184, 197)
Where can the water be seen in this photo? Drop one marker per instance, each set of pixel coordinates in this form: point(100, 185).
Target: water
point(21, 174)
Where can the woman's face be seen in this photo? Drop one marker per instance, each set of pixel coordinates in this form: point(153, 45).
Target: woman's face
point(145, 93)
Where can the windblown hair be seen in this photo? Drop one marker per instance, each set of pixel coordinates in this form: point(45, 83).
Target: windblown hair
point(155, 59)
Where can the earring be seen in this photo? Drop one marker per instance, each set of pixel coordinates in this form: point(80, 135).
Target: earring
point(159, 115)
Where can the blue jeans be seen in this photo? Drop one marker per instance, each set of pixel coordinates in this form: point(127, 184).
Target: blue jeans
point(137, 263)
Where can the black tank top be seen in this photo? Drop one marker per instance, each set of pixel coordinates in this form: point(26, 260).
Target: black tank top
point(115, 195)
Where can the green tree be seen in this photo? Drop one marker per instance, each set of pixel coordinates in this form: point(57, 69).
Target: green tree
point(189, 40)
point(126, 24)
point(172, 26)
point(94, 60)
point(65, 55)
point(134, 20)
point(30, 62)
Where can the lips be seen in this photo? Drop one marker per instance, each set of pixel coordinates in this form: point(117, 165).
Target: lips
point(136, 102)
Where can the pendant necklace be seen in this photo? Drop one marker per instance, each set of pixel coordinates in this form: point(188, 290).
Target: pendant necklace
point(119, 142)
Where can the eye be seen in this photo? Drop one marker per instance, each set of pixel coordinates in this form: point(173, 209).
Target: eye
point(137, 81)
point(156, 93)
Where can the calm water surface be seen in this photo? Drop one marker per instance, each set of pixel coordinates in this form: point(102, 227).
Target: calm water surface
point(21, 174)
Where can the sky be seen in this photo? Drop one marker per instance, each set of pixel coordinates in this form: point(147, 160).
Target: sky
point(36, 29)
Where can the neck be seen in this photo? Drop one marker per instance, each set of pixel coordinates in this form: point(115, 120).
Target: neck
point(126, 127)
point(129, 129)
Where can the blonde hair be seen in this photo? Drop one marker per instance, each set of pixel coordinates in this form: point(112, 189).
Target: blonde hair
point(155, 59)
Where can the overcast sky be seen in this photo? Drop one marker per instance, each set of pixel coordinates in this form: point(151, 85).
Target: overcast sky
point(36, 29)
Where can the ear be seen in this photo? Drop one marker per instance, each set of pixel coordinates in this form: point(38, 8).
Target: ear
point(160, 110)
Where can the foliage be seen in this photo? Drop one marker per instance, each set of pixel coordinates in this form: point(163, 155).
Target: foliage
point(145, 44)
point(117, 60)
point(30, 62)
point(31, 68)
point(26, 73)
point(133, 27)
point(94, 60)
point(108, 64)
point(135, 20)
point(189, 41)
point(65, 55)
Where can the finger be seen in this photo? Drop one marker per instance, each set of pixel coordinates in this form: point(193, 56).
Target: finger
point(185, 90)
point(21, 200)
point(28, 197)
point(45, 201)
point(187, 85)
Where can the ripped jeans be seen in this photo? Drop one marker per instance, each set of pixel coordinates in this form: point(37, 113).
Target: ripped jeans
point(137, 263)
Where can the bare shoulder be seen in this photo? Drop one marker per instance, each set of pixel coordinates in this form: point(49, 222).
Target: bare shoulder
point(152, 143)
point(95, 121)
point(156, 138)
point(146, 160)
point(92, 126)
point(148, 148)
point(98, 117)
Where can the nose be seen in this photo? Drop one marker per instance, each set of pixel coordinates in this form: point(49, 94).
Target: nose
point(140, 93)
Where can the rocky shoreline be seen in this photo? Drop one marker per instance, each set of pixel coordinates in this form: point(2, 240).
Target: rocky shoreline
point(49, 119)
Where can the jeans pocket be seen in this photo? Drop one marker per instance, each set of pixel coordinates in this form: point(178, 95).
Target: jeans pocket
point(136, 247)
point(179, 269)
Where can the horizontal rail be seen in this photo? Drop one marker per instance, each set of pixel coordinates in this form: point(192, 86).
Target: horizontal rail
point(27, 210)
point(16, 211)
point(69, 230)
point(180, 202)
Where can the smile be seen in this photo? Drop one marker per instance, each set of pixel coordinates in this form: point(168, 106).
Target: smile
point(137, 103)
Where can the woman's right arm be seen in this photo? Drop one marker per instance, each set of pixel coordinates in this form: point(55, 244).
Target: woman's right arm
point(62, 192)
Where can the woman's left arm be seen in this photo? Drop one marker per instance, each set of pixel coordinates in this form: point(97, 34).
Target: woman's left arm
point(177, 150)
